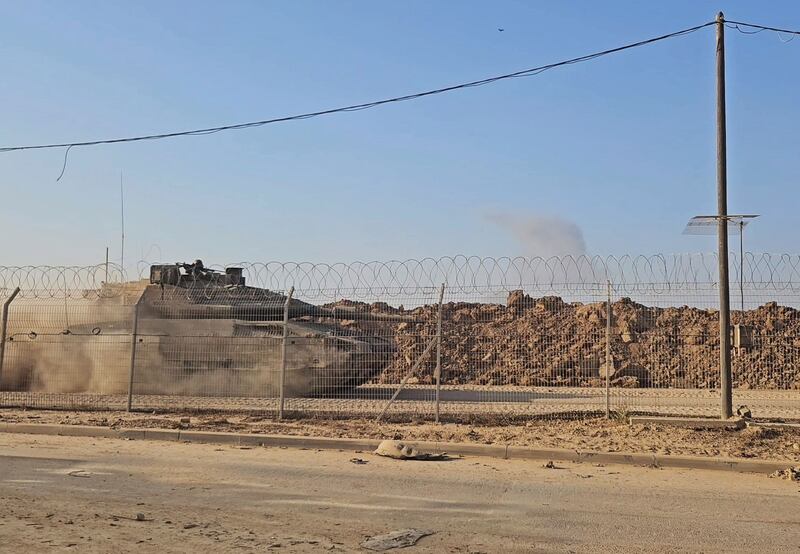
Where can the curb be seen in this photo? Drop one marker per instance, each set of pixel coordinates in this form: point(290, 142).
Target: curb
point(769, 425)
point(507, 452)
point(734, 423)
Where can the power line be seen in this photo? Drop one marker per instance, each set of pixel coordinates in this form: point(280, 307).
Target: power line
point(732, 26)
point(736, 24)
point(367, 105)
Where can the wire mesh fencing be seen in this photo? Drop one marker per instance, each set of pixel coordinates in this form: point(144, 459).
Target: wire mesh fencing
point(201, 344)
point(68, 352)
point(665, 351)
point(508, 338)
point(766, 353)
point(376, 358)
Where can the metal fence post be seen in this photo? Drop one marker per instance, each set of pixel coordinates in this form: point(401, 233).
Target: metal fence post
point(608, 353)
point(134, 338)
point(428, 348)
point(4, 327)
point(438, 370)
point(283, 350)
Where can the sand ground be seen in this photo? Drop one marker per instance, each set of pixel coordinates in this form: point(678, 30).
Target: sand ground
point(595, 434)
point(69, 494)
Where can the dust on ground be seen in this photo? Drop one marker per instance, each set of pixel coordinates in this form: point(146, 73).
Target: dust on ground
point(597, 434)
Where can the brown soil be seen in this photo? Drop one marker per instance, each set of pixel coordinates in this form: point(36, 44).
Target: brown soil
point(594, 434)
point(547, 342)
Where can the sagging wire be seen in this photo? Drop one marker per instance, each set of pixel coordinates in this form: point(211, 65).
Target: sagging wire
point(761, 28)
point(362, 106)
point(64, 167)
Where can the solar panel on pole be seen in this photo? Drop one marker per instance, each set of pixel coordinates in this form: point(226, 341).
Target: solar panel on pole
point(708, 225)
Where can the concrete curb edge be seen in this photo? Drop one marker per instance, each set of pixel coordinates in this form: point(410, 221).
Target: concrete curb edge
point(462, 449)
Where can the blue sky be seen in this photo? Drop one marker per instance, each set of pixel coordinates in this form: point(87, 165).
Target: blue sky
point(620, 150)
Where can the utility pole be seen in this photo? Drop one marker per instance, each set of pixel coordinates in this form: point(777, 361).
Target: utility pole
point(722, 230)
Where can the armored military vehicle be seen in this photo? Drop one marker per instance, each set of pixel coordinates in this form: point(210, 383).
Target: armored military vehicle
point(197, 332)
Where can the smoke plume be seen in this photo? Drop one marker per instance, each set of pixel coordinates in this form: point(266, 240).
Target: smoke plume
point(541, 235)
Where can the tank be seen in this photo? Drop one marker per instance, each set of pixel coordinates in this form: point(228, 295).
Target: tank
point(203, 332)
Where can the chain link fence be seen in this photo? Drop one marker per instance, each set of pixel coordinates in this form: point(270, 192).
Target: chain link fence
point(453, 338)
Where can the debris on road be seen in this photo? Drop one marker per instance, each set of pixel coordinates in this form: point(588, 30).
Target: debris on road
point(401, 451)
point(551, 465)
point(358, 461)
point(79, 473)
point(790, 473)
point(138, 517)
point(744, 411)
point(395, 539)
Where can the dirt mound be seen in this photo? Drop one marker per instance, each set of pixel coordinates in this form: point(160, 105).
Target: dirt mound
point(548, 342)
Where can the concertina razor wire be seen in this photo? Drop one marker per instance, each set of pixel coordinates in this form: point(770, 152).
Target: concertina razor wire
point(649, 274)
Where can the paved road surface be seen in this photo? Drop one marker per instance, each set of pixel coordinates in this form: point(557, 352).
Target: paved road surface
point(74, 495)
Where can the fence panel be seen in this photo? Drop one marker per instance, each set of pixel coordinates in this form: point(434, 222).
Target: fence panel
point(375, 347)
point(523, 352)
point(665, 346)
point(766, 353)
point(208, 347)
point(67, 352)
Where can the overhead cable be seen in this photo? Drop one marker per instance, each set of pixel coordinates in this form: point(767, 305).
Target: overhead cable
point(363, 106)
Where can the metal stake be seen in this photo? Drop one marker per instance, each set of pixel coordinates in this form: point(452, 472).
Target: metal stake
point(608, 353)
point(4, 327)
point(283, 351)
point(438, 371)
point(134, 338)
point(428, 348)
point(722, 232)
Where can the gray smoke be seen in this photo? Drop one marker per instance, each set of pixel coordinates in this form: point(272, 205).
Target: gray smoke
point(541, 235)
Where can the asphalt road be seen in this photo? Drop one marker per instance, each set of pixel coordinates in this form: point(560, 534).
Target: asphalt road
point(82, 495)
